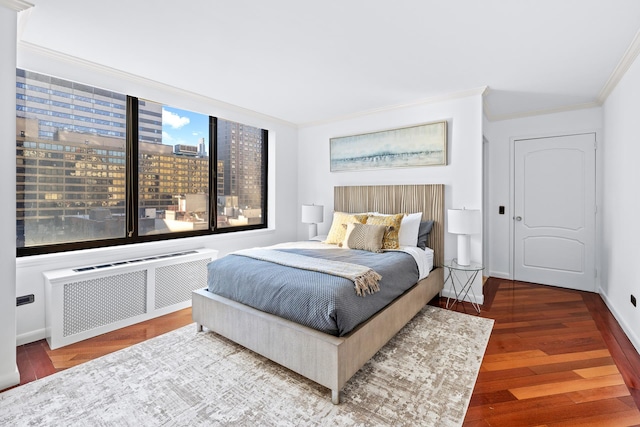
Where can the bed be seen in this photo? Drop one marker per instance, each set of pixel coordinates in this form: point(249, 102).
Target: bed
point(323, 357)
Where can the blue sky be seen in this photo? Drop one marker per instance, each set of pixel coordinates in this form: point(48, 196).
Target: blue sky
point(184, 127)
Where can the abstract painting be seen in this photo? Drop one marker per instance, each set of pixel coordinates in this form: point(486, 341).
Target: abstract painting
point(414, 146)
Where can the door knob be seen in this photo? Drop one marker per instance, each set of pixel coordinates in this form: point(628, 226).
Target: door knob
point(518, 218)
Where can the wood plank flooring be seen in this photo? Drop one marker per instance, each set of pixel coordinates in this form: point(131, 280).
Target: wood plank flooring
point(36, 360)
point(556, 357)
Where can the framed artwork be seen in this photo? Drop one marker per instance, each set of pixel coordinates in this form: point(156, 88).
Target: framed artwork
point(413, 146)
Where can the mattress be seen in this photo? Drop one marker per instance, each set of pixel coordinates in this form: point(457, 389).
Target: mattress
point(320, 301)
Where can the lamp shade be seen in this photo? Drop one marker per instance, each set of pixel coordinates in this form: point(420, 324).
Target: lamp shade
point(312, 214)
point(464, 221)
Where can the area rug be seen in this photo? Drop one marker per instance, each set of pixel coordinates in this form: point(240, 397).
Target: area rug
point(424, 376)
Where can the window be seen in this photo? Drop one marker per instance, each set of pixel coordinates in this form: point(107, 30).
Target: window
point(173, 183)
point(75, 188)
point(241, 175)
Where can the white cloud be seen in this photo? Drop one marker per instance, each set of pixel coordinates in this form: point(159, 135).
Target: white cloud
point(167, 138)
point(174, 120)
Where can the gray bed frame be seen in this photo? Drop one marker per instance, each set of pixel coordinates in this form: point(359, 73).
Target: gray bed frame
point(326, 359)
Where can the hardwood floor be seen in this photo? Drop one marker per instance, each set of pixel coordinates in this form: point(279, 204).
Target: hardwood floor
point(101, 345)
point(36, 360)
point(556, 357)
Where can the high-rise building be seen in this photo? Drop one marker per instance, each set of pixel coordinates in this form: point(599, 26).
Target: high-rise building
point(149, 122)
point(71, 162)
point(60, 104)
point(71, 165)
point(240, 148)
point(78, 176)
point(202, 148)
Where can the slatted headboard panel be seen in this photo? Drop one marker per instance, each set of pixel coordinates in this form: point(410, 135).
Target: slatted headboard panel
point(390, 199)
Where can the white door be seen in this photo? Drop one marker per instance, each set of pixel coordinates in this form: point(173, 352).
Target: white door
point(554, 212)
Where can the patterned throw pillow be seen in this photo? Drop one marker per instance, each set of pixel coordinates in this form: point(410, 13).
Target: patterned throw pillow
point(390, 240)
point(337, 231)
point(364, 236)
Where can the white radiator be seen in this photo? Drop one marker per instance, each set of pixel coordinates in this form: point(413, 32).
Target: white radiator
point(86, 301)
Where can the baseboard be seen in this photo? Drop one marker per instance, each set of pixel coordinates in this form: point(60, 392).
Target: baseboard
point(500, 275)
point(627, 330)
point(10, 379)
point(32, 336)
point(448, 293)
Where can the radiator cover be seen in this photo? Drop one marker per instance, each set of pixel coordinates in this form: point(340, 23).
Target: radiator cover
point(87, 301)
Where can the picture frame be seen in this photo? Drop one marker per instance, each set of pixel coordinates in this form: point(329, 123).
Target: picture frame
point(413, 146)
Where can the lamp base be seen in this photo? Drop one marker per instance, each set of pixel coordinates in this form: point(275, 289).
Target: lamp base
point(464, 250)
point(313, 231)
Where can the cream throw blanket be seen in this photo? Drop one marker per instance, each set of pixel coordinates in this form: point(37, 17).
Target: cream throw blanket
point(365, 279)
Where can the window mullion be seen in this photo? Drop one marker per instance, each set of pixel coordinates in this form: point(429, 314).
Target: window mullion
point(213, 173)
point(132, 167)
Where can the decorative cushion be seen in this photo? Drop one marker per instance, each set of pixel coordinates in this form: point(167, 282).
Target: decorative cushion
point(408, 235)
point(337, 231)
point(364, 236)
point(390, 240)
point(423, 233)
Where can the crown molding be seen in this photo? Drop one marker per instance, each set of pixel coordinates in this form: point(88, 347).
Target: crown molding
point(485, 106)
point(423, 101)
point(17, 5)
point(617, 74)
point(523, 114)
point(123, 75)
point(533, 113)
point(621, 69)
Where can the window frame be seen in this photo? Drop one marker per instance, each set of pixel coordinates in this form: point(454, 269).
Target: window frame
point(132, 195)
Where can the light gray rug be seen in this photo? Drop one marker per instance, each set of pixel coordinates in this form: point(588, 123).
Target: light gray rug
point(423, 376)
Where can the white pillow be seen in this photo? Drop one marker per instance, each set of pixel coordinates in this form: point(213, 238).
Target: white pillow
point(409, 227)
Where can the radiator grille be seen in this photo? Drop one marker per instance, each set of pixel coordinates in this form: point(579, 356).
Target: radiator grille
point(97, 302)
point(175, 283)
point(82, 302)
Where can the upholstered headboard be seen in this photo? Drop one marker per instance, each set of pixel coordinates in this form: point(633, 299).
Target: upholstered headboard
point(389, 199)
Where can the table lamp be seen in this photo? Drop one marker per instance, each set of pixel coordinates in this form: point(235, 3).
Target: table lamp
point(464, 223)
point(312, 215)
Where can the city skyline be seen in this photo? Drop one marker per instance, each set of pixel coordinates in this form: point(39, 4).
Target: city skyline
point(185, 127)
point(71, 168)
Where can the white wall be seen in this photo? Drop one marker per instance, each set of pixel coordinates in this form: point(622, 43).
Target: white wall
point(282, 197)
point(500, 136)
point(621, 202)
point(8, 369)
point(462, 176)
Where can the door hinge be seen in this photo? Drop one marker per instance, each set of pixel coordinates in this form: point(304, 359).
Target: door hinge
point(595, 273)
point(595, 208)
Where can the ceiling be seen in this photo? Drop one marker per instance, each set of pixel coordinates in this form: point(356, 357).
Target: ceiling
point(310, 62)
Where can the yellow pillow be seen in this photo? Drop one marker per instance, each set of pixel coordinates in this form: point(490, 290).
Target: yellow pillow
point(390, 239)
point(337, 231)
